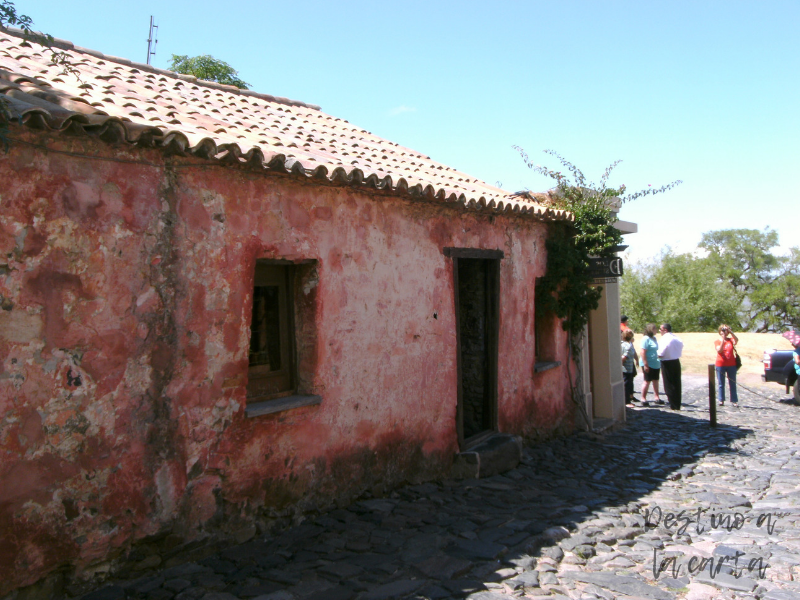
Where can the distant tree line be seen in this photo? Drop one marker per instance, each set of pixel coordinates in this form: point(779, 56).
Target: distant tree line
point(733, 277)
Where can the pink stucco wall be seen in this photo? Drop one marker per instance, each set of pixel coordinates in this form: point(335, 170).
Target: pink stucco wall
point(124, 328)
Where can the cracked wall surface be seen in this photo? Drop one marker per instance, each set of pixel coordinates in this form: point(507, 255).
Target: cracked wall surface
point(126, 281)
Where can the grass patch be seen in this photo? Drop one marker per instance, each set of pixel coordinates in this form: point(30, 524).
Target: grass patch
point(698, 350)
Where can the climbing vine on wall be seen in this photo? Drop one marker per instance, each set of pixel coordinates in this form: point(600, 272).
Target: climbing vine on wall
point(567, 288)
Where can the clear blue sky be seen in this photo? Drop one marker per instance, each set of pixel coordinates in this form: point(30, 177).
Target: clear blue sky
point(702, 91)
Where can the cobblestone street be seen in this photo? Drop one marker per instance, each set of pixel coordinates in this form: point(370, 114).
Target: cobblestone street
point(588, 516)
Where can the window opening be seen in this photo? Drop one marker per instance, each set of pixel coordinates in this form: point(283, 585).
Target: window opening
point(545, 324)
point(265, 338)
point(271, 357)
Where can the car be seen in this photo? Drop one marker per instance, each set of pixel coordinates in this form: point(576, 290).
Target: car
point(775, 362)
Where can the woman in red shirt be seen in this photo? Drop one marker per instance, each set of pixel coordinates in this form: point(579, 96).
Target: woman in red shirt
point(726, 364)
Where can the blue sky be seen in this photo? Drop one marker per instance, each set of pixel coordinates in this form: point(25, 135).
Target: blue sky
point(702, 91)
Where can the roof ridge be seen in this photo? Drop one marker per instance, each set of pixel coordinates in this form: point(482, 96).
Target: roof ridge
point(67, 45)
point(124, 101)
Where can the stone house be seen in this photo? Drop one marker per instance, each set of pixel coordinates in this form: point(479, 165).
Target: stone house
point(221, 308)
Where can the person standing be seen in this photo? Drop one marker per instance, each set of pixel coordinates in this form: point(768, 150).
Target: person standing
point(623, 326)
point(726, 364)
point(650, 363)
point(628, 364)
point(796, 361)
point(670, 349)
point(792, 368)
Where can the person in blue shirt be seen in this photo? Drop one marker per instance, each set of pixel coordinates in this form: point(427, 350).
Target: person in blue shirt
point(796, 364)
point(650, 363)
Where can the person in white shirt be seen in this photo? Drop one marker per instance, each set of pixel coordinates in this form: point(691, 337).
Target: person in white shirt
point(670, 349)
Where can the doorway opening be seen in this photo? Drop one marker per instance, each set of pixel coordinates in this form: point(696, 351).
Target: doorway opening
point(477, 295)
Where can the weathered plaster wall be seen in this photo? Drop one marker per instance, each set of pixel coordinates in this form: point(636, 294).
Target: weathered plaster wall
point(124, 328)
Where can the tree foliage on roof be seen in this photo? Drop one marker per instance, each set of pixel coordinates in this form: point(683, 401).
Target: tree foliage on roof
point(207, 68)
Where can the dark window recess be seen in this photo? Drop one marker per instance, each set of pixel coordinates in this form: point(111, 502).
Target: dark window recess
point(265, 338)
point(271, 372)
point(545, 323)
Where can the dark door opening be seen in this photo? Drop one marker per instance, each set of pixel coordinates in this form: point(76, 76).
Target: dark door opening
point(477, 299)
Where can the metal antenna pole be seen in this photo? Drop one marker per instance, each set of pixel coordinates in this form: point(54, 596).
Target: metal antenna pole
point(150, 40)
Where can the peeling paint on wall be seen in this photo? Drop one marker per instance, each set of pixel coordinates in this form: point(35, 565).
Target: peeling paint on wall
point(124, 330)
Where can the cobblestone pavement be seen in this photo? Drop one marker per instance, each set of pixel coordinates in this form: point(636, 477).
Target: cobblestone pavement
point(588, 516)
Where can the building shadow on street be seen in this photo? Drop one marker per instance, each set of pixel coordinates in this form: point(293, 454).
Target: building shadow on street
point(454, 538)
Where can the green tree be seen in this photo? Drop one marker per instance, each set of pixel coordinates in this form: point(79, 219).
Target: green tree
point(208, 68)
point(779, 301)
point(679, 289)
point(744, 260)
point(743, 257)
point(741, 280)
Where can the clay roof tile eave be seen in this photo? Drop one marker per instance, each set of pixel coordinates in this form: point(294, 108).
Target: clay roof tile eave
point(217, 122)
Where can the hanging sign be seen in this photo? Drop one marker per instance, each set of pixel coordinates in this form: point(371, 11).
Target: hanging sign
point(605, 268)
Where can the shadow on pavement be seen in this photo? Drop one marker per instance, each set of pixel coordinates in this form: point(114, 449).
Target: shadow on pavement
point(456, 538)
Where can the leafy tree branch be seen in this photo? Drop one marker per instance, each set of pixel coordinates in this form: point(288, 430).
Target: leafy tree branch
point(9, 17)
point(208, 68)
point(567, 288)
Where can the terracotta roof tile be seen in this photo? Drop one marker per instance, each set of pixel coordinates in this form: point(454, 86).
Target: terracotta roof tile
point(210, 120)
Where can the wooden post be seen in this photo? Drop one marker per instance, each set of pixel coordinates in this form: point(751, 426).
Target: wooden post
point(712, 395)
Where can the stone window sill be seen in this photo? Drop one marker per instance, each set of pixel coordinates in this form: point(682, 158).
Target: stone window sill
point(268, 407)
point(540, 367)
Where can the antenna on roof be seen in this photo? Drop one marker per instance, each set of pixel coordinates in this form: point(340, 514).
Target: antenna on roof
point(150, 40)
